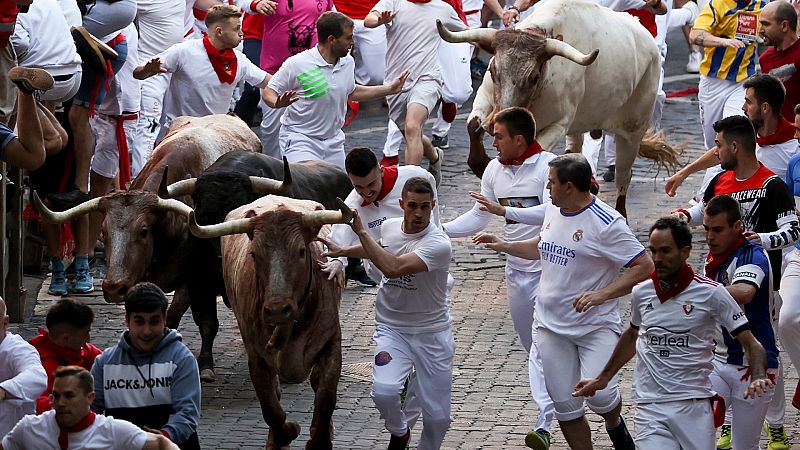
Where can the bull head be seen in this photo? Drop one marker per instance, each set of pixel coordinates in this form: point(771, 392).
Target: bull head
point(260, 185)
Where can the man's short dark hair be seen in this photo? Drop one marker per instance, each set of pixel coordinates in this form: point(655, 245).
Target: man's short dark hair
point(145, 298)
point(518, 121)
point(724, 204)
point(417, 185)
point(68, 313)
point(573, 168)
point(85, 379)
point(679, 229)
point(332, 23)
point(737, 129)
point(360, 162)
point(785, 11)
point(767, 89)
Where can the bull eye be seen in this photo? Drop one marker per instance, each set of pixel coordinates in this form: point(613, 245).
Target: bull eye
point(143, 232)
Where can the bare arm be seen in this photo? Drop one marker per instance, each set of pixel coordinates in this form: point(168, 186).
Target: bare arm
point(757, 363)
point(638, 271)
point(705, 39)
point(156, 442)
point(743, 293)
point(392, 266)
point(375, 19)
point(624, 351)
point(495, 7)
point(364, 93)
point(336, 251)
point(27, 150)
point(705, 161)
point(275, 100)
point(148, 69)
point(527, 249)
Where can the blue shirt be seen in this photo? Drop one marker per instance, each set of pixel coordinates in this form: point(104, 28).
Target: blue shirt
point(793, 179)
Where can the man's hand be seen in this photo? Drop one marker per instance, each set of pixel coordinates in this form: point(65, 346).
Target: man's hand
point(673, 183)
point(584, 301)
point(796, 5)
point(265, 7)
point(734, 43)
point(335, 270)
point(587, 387)
point(752, 236)
point(356, 224)
point(510, 17)
point(286, 99)
point(153, 67)
point(398, 83)
point(334, 250)
point(385, 17)
point(489, 240)
point(759, 387)
point(488, 205)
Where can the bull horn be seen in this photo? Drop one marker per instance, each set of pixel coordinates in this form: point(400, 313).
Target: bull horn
point(221, 229)
point(554, 47)
point(180, 188)
point(263, 185)
point(481, 36)
point(65, 216)
point(174, 205)
point(319, 218)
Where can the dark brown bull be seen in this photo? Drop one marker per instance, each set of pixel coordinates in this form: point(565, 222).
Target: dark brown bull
point(145, 236)
point(287, 309)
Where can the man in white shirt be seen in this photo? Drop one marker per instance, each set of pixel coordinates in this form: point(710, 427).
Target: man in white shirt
point(72, 425)
point(413, 43)
point(324, 75)
point(675, 317)
point(412, 317)
point(22, 377)
point(517, 177)
point(582, 247)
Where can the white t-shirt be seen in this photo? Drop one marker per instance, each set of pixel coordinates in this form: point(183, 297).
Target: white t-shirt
point(523, 186)
point(323, 89)
point(53, 50)
point(194, 88)
point(412, 38)
point(776, 156)
point(22, 376)
point(415, 303)
point(582, 251)
point(106, 433)
point(676, 339)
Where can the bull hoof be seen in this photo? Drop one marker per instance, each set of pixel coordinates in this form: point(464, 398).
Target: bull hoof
point(208, 376)
point(283, 439)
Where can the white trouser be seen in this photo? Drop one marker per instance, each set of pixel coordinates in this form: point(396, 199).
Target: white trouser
point(777, 406)
point(298, 147)
point(522, 288)
point(431, 354)
point(566, 360)
point(676, 425)
point(748, 414)
point(64, 90)
point(394, 140)
point(591, 149)
point(718, 99)
point(369, 53)
point(454, 64)
point(149, 126)
point(789, 318)
point(270, 129)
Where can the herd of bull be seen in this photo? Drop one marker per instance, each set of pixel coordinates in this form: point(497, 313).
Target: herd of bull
point(198, 221)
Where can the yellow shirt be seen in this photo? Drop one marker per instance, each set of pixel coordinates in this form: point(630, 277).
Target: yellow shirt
point(730, 19)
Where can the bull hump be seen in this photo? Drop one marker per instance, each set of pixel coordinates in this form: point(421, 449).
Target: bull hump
point(272, 203)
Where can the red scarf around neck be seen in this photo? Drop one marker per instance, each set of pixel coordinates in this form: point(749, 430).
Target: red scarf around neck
point(666, 289)
point(530, 151)
point(63, 435)
point(784, 133)
point(388, 180)
point(715, 262)
point(223, 61)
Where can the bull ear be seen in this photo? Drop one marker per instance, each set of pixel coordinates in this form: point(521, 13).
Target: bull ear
point(163, 191)
point(249, 215)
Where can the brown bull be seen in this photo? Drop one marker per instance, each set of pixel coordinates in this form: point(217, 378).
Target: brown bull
point(145, 236)
point(287, 309)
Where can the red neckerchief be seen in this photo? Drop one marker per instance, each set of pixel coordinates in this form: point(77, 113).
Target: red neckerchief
point(715, 262)
point(530, 151)
point(666, 289)
point(63, 435)
point(784, 133)
point(388, 180)
point(223, 61)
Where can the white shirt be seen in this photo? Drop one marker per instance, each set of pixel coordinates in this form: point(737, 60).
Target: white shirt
point(523, 186)
point(106, 433)
point(194, 88)
point(676, 339)
point(53, 50)
point(416, 303)
point(323, 90)
point(412, 38)
point(23, 378)
point(582, 251)
point(776, 156)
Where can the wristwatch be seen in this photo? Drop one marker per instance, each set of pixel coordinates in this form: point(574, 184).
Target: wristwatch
point(514, 7)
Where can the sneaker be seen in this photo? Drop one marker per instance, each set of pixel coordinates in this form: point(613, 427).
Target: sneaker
point(435, 167)
point(449, 111)
point(440, 141)
point(399, 442)
point(610, 174)
point(724, 441)
point(778, 440)
point(693, 66)
point(68, 199)
point(359, 275)
point(30, 80)
point(58, 281)
point(84, 283)
point(88, 50)
point(388, 161)
point(539, 439)
point(620, 437)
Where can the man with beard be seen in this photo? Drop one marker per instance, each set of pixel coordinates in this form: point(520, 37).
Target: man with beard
point(778, 22)
point(324, 75)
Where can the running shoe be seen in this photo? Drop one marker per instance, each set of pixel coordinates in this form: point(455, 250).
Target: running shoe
point(724, 441)
point(778, 440)
point(538, 439)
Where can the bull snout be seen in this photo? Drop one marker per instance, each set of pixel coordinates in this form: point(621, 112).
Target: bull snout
point(114, 290)
point(279, 311)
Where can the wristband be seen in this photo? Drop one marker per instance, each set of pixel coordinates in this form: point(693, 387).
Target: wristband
point(253, 5)
point(514, 7)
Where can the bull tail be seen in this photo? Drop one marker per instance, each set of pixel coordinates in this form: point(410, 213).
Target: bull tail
point(656, 146)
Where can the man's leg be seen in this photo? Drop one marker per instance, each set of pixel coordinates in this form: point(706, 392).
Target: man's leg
point(270, 129)
point(691, 423)
point(84, 145)
point(417, 145)
point(651, 420)
point(748, 414)
point(391, 366)
point(55, 136)
point(433, 359)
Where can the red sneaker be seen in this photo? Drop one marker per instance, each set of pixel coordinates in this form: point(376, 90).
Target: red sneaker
point(387, 161)
point(448, 111)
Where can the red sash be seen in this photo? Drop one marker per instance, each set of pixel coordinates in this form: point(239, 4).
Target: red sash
point(223, 61)
point(530, 151)
point(715, 262)
point(666, 289)
point(63, 435)
point(388, 180)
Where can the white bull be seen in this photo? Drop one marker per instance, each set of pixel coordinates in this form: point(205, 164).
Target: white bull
point(612, 86)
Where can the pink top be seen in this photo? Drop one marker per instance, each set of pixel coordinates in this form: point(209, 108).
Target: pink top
point(291, 30)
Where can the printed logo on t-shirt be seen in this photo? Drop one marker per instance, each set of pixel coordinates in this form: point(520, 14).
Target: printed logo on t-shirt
point(376, 222)
point(666, 339)
point(746, 27)
point(555, 253)
point(688, 307)
point(313, 84)
point(578, 235)
point(519, 202)
point(405, 282)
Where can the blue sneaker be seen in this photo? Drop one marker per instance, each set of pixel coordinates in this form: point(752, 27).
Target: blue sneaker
point(58, 282)
point(84, 283)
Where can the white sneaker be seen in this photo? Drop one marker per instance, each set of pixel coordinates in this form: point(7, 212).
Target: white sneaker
point(691, 7)
point(693, 66)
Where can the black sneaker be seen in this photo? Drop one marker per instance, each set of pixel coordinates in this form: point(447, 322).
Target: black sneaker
point(30, 80)
point(359, 275)
point(68, 199)
point(399, 442)
point(440, 141)
point(610, 174)
point(620, 437)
